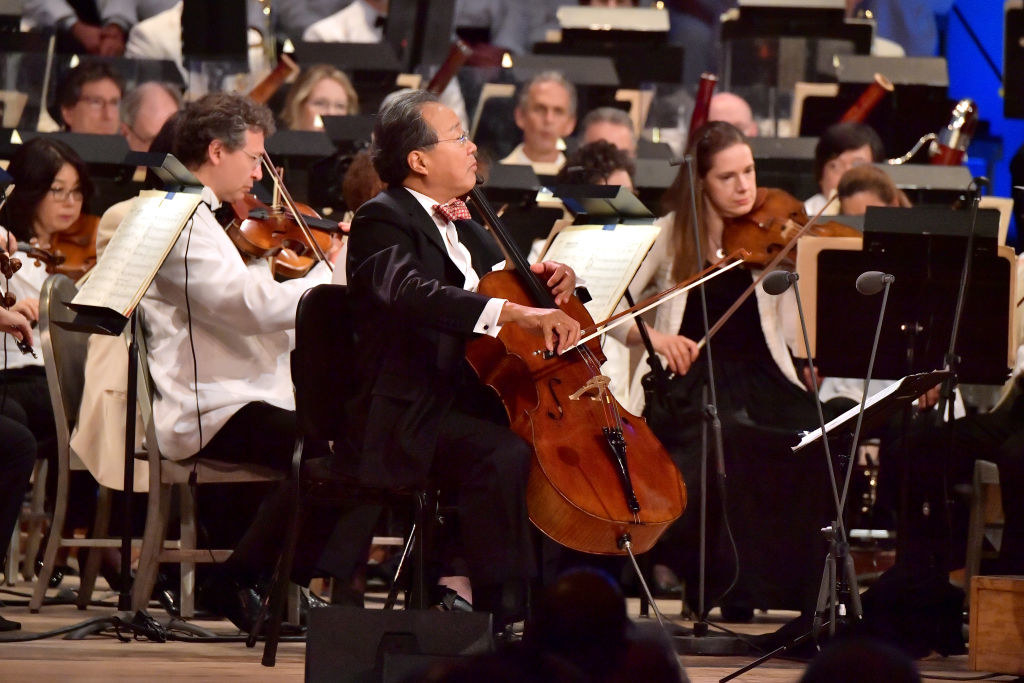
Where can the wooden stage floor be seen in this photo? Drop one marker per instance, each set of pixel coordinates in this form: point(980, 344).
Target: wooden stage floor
point(103, 658)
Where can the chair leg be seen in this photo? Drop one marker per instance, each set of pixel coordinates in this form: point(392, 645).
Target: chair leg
point(11, 566)
point(157, 512)
point(274, 604)
point(100, 529)
point(55, 541)
point(188, 542)
point(37, 515)
point(410, 544)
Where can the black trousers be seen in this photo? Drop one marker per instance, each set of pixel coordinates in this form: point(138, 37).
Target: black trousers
point(17, 456)
point(262, 434)
point(919, 471)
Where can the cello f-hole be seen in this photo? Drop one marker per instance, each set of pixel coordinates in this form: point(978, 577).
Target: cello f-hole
point(552, 383)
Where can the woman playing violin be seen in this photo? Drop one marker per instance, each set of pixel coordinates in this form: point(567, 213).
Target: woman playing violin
point(51, 185)
point(761, 400)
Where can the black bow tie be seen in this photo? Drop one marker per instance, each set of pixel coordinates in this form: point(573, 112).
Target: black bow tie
point(380, 21)
point(224, 215)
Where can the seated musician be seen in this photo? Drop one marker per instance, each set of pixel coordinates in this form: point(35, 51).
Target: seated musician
point(51, 186)
point(90, 98)
point(414, 261)
point(841, 147)
point(218, 332)
point(545, 112)
point(17, 453)
point(598, 163)
point(321, 90)
point(865, 185)
point(761, 400)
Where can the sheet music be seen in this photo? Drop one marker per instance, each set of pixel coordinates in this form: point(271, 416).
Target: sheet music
point(605, 257)
point(136, 250)
point(909, 387)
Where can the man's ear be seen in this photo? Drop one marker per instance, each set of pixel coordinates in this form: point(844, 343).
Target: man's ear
point(215, 151)
point(65, 114)
point(570, 125)
point(519, 117)
point(417, 161)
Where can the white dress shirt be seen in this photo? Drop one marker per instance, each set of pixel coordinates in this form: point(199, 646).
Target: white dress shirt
point(357, 23)
point(240, 321)
point(517, 157)
point(487, 323)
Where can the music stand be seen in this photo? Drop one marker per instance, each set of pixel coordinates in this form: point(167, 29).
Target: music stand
point(372, 67)
point(923, 248)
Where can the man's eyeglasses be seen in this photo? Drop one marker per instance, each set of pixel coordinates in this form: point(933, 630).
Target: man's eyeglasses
point(99, 102)
point(254, 158)
point(61, 194)
point(461, 140)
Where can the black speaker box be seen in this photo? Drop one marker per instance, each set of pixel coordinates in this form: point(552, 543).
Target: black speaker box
point(349, 644)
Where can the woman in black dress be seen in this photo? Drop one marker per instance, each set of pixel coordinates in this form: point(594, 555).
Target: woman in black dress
point(776, 501)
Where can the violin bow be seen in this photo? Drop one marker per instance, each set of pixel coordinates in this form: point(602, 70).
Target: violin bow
point(622, 317)
point(765, 271)
point(296, 214)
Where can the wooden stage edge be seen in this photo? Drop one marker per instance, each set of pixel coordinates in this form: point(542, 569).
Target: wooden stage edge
point(103, 658)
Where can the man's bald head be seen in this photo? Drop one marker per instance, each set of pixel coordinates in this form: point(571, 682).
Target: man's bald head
point(725, 106)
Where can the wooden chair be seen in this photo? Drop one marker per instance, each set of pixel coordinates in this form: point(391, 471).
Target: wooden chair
point(64, 358)
point(321, 369)
point(985, 523)
point(164, 475)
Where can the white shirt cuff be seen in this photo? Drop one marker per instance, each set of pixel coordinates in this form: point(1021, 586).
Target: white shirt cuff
point(487, 323)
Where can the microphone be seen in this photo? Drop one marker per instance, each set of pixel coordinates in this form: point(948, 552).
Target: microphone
point(778, 281)
point(872, 281)
point(980, 182)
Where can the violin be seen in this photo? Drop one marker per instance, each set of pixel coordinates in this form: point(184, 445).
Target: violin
point(600, 481)
point(263, 231)
point(71, 252)
point(771, 224)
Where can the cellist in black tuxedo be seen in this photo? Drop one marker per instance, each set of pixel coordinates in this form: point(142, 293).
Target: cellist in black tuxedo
point(414, 259)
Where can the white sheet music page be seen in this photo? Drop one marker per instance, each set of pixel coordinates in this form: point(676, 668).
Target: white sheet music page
point(136, 250)
point(605, 257)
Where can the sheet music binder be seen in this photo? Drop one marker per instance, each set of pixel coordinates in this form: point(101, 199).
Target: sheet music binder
point(96, 319)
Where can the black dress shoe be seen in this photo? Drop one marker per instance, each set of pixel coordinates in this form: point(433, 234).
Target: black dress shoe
point(229, 597)
point(449, 600)
point(8, 625)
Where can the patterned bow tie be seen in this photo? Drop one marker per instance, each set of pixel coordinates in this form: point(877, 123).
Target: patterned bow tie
point(453, 210)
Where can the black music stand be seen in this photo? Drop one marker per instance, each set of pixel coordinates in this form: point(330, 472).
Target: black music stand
point(919, 103)
point(923, 248)
point(773, 20)
point(372, 67)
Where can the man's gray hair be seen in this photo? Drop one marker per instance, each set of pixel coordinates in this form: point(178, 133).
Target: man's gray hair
point(607, 115)
point(547, 77)
point(132, 101)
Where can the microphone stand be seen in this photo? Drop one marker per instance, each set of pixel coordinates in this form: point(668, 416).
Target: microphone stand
point(952, 359)
point(700, 642)
point(839, 579)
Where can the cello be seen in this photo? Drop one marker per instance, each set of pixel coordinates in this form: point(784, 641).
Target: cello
point(600, 481)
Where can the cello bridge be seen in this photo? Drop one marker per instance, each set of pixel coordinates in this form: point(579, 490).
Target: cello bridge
point(595, 389)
